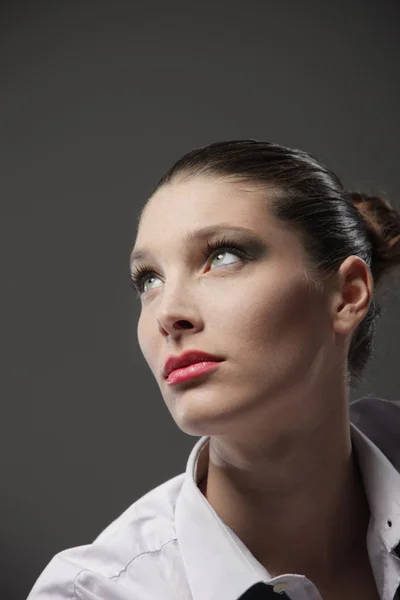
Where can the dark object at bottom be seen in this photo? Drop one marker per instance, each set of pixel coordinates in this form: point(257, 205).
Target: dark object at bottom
point(262, 591)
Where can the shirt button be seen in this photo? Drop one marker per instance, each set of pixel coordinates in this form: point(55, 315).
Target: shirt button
point(280, 587)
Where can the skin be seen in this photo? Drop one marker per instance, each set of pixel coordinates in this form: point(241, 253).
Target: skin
point(281, 473)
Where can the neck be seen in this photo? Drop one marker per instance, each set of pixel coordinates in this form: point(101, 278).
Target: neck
point(299, 506)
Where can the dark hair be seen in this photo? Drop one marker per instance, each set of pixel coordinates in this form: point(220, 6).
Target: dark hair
point(333, 222)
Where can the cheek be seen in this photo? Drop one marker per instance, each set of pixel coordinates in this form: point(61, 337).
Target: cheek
point(271, 314)
point(145, 340)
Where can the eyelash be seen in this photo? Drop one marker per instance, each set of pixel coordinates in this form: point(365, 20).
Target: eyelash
point(223, 244)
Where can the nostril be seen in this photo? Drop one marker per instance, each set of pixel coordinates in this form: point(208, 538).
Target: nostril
point(183, 324)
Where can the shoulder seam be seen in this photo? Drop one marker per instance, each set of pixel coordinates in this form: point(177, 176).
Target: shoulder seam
point(76, 593)
point(174, 539)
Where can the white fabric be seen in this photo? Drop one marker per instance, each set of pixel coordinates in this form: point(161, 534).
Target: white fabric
point(171, 545)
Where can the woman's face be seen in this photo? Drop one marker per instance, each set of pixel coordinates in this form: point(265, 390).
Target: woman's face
point(259, 314)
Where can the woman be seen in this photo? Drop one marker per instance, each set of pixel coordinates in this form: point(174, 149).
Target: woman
point(256, 267)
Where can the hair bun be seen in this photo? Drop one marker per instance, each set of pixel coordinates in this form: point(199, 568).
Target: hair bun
point(383, 225)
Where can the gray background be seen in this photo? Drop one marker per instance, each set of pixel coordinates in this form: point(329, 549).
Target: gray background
point(97, 100)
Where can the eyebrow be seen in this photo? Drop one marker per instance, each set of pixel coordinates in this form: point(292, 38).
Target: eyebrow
point(204, 233)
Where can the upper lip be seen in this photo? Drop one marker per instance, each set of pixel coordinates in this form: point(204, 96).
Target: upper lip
point(187, 358)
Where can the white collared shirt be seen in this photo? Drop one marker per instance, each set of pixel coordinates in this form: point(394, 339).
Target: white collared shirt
point(171, 545)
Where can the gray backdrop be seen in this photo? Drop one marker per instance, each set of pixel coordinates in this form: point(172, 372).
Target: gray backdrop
point(97, 100)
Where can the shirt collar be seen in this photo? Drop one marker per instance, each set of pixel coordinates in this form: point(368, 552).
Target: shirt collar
point(217, 562)
point(382, 487)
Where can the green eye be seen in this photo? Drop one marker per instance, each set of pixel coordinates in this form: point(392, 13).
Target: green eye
point(222, 254)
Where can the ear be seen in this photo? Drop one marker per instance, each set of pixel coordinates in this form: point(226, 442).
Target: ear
point(354, 289)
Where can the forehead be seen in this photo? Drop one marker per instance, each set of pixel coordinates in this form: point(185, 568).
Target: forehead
point(180, 208)
point(199, 201)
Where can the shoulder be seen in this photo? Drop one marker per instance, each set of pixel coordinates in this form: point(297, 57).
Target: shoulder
point(379, 420)
point(138, 533)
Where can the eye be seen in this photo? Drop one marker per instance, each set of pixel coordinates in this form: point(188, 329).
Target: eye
point(223, 246)
point(222, 253)
point(148, 281)
point(139, 277)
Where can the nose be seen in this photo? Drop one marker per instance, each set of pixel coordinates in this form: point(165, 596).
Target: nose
point(168, 327)
point(178, 312)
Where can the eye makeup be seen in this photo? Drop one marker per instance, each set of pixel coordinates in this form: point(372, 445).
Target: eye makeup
point(240, 241)
point(218, 246)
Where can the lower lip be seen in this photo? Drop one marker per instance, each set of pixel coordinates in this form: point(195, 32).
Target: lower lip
point(191, 371)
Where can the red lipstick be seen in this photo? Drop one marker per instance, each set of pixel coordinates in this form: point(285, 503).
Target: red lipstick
point(188, 365)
